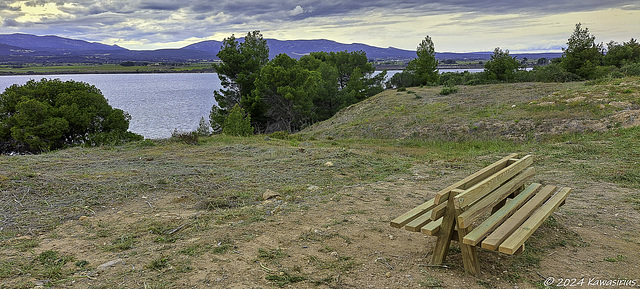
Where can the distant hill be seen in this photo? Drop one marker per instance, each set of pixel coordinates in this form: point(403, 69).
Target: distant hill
point(298, 48)
point(25, 48)
point(54, 43)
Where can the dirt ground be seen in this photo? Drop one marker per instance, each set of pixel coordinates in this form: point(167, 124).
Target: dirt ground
point(342, 240)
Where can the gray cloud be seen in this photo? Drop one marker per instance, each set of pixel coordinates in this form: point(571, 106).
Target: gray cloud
point(176, 20)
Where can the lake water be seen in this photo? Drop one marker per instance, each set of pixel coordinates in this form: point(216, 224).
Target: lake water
point(158, 103)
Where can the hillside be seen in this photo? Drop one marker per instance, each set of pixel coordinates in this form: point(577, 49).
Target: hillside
point(519, 111)
point(313, 210)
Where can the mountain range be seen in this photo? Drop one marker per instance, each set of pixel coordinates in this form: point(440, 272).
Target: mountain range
point(26, 48)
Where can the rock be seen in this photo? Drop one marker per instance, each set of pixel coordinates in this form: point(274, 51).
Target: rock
point(25, 237)
point(269, 194)
point(388, 274)
point(313, 188)
point(82, 218)
point(109, 264)
point(328, 164)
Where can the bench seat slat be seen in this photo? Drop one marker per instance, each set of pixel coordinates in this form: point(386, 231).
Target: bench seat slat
point(438, 211)
point(518, 237)
point(419, 222)
point(432, 228)
point(493, 241)
point(470, 215)
point(476, 235)
point(410, 215)
point(479, 190)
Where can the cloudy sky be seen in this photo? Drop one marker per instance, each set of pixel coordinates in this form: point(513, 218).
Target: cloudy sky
point(454, 25)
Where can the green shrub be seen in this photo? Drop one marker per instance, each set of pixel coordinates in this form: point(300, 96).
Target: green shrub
point(279, 135)
point(631, 69)
point(191, 138)
point(448, 90)
point(50, 114)
point(237, 123)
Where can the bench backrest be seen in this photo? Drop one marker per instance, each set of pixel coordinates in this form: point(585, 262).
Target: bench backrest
point(491, 191)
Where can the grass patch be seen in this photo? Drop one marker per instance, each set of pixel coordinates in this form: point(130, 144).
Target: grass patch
point(123, 243)
point(283, 279)
point(158, 263)
point(618, 258)
point(271, 254)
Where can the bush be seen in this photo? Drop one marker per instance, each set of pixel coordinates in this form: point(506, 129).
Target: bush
point(236, 123)
point(631, 69)
point(553, 73)
point(448, 90)
point(50, 114)
point(279, 135)
point(191, 138)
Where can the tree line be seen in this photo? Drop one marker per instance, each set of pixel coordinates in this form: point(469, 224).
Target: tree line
point(284, 93)
point(582, 59)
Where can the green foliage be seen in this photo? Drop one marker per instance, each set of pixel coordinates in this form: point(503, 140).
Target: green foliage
point(553, 73)
point(286, 94)
point(424, 68)
point(50, 114)
point(240, 67)
point(632, 69)
point(191, 138)
point(158, 264)
point(502, 66)
point(448, 90)
point(279, 135)
point(237, 123)
point(582, 55)
point(402, 79)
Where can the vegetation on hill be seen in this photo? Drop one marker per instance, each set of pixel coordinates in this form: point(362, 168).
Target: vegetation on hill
point(286, 94)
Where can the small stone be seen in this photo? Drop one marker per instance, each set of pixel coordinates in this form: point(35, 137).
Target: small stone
point(313, 188)
point(109, 264)
point(334, 254)
point(82, 218)
point(388, 275)
point(391, 237)
point(25, 237)
point(328, 164)
point(269, 194)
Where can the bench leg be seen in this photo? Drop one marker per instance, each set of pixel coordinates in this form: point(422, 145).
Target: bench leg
point(444, 234)
point(469, 253)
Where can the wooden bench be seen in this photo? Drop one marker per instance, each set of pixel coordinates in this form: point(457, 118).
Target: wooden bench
point(491, 208)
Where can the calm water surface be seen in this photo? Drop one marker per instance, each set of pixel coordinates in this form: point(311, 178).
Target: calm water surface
point(158, 103)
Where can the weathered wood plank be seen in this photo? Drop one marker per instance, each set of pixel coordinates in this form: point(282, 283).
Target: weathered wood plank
point(487, 185)
point(469, 253)
point(471, 180)
point(477, 234)
point(417, 223)
point(517, 238)
point(487, 203)
point(444, 234)
point(432, 228)
point(410, 215)
point(493, 241)
point(438, 211)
